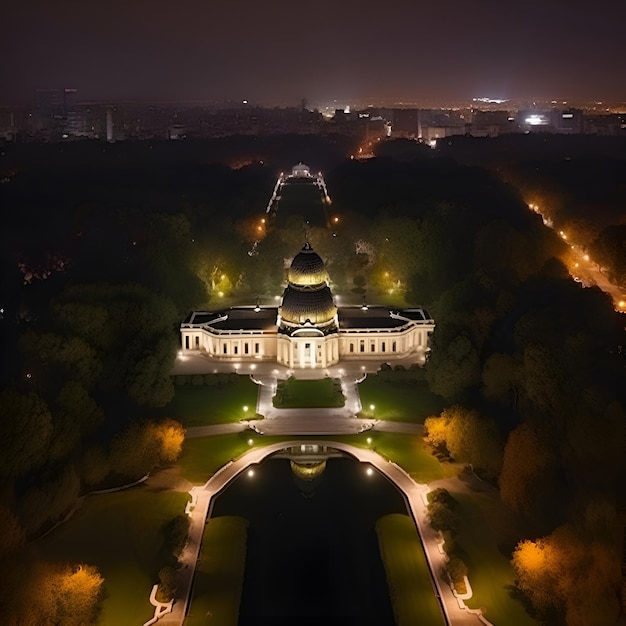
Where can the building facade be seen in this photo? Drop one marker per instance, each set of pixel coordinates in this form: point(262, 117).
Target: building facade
point(308, 330)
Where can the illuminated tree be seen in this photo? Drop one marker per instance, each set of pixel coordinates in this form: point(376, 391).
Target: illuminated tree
point(528, 480)
point(55, 593)
point(171, 436)
point(567, 574)
point(468, 437)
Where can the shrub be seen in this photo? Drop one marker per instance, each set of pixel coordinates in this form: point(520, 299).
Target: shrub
point(457, 570)
point(167, 583)
point(176, 531)
point(441, 517)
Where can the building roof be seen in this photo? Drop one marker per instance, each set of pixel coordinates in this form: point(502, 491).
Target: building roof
point(307, 297)
point(373, 317)
point(236, 318)
point(307, 268)
point(312, 305)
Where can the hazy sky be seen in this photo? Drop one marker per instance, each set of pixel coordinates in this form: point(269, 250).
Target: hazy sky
point(280, 51)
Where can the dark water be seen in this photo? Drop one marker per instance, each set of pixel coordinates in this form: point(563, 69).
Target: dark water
point(313, 553)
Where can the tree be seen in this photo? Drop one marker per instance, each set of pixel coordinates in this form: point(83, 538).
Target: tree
point(454, 369)
point(11, 532)
point(75, 414)
point(528, 480)
point(468, 437)
point(25, 432)
point(499, 379)
point(134, 452)
point(56, 593)
point(94, 466)
point(171, 436)
point(473, 438)
point(566, 574)
point(49, 500)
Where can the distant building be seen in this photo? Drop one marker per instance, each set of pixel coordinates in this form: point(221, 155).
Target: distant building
point(56, 113)
point(308, 330)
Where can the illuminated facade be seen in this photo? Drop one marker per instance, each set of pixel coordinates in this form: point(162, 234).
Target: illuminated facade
point(308, 330)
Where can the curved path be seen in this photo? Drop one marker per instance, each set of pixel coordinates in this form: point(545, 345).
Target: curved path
point(202, 500)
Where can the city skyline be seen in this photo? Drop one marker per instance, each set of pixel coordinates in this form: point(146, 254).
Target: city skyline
point(348, 52)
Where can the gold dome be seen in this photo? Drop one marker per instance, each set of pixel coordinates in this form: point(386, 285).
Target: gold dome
point(307, 268)
point(307, 297)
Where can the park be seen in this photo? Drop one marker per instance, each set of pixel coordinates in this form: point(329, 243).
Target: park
point(137, 515)
point(160, 381)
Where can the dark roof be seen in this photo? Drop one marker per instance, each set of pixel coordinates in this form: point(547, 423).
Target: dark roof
point(378, 317)
point(236, 318)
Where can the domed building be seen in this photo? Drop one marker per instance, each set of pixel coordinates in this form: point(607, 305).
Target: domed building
point(308, 330)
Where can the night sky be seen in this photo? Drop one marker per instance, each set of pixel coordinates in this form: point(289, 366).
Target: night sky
point(275, 51)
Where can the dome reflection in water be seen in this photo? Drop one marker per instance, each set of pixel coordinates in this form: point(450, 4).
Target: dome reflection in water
point(312, 550)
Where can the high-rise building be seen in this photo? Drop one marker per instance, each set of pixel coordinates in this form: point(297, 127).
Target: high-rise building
point(56, 112)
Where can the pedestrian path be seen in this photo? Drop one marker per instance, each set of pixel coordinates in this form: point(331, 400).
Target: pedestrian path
point(453, 613)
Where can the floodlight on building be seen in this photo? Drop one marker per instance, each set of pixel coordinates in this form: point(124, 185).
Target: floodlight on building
point(536, 120)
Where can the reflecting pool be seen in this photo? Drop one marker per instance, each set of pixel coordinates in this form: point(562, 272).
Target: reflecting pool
point(312, 553)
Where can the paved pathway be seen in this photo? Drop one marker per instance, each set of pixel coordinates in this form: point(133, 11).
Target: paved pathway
point(202, 498)
point(299, 422)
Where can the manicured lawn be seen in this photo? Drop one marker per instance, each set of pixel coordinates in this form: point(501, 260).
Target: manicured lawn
point(119, 533)
point(410, 585)
point(399, 401)
point(203, 456)
point(412, 455)
point(219, 573)
point(308, 394)
point(201, 405)
point(484, 528)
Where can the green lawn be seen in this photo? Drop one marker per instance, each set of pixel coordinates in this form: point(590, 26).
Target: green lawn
point(203, 456)
point(119, 533)
point(308, 394)
point(411, 453)
point(219, 574)
point(484, 528)
point(399, 401)
point(410, 585)
point(201, 405)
